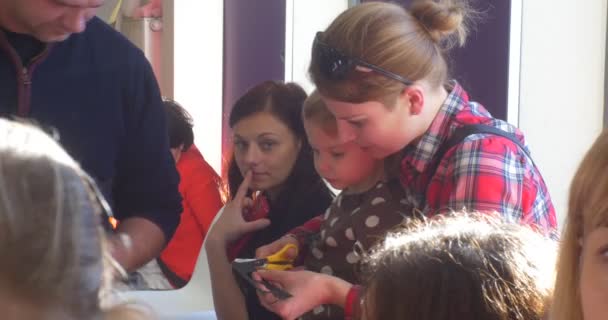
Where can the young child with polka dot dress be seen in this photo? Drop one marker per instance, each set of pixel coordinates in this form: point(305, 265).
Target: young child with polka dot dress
point(369, 205)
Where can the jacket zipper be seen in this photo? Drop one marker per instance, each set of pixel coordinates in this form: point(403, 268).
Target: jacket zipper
point(24, 74)
point(26, 82)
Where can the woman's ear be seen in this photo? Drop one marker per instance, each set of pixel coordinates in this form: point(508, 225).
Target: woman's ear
point(413, 98)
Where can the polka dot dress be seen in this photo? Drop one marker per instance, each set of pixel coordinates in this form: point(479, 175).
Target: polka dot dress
point(351, 226)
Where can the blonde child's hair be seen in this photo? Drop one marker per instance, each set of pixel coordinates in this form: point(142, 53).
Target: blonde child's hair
point(52, 249)
point(587, 210)
point(315, 111)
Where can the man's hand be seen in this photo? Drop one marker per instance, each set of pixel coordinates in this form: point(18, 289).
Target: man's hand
point(136, 242)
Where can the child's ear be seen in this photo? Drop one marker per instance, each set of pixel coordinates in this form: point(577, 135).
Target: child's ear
point(413, 98)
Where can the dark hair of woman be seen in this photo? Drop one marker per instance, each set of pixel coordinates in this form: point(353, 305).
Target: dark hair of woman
point(303, 185)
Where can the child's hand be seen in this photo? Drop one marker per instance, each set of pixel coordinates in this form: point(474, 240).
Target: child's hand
point(274, 247)
point(308, 289)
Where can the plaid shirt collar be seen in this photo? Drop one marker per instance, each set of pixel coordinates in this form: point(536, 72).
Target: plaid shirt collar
point(419, 155)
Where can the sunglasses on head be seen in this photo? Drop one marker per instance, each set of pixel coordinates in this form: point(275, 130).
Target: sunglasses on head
point(336, 66)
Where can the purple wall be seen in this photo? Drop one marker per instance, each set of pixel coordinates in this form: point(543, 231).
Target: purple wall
point(254, 44)
point(254, 41)
point(482, 66)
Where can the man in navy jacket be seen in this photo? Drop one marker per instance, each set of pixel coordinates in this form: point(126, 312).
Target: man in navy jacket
point(69, 71)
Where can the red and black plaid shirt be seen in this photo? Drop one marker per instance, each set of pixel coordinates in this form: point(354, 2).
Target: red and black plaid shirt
point(484, 173)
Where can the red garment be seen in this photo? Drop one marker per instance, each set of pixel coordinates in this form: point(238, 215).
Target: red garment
point(484, 173)
point(200, 188)
point(259, 210)
point(352, 298)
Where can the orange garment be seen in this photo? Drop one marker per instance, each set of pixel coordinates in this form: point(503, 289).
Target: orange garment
point(200, 189)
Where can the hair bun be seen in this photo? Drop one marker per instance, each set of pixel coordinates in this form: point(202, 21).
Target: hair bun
point(444, 20)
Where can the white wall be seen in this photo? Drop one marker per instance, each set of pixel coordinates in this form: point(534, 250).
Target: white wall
point(562, 85)
point(197, 70)
point(514, 62)
point(303, 19)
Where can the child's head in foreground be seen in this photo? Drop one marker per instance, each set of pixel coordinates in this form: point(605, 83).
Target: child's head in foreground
point(462, 266)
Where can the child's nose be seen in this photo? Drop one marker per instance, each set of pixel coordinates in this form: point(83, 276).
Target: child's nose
point(322, 167)
point(347, 131)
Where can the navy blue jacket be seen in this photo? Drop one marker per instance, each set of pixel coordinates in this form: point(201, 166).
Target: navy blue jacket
point(99, 93)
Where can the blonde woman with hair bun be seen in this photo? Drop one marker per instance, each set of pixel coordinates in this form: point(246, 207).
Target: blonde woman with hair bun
point(54, 263)
point(381, 70)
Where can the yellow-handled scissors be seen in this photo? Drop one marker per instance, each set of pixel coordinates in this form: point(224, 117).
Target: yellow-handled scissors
point(279, 261)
